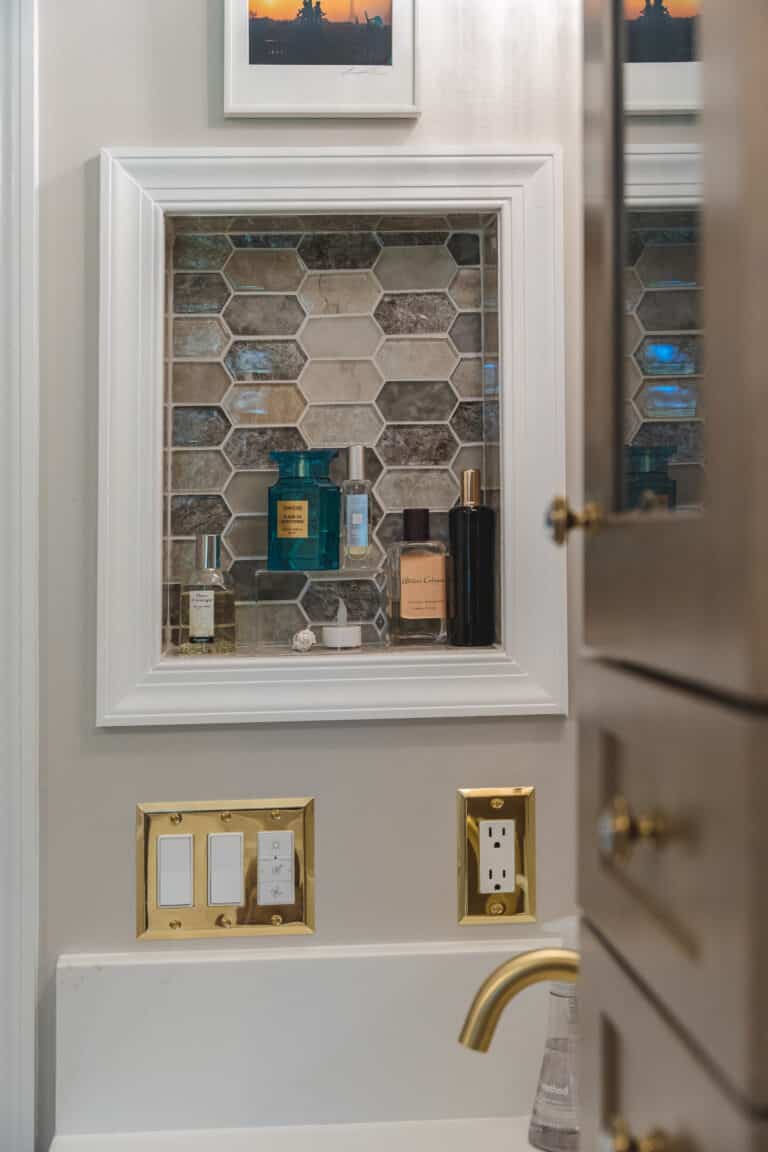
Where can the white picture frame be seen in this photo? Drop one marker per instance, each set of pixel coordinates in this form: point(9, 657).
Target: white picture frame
point(528, 673)
point(662, 89)
point(284, 90)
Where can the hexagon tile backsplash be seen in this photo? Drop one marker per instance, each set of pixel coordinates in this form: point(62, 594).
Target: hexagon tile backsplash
point(322, 331)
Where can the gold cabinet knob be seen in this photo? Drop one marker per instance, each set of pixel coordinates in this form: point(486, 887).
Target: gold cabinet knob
point(620, 1140)
point(618, 830)
point(561, 519)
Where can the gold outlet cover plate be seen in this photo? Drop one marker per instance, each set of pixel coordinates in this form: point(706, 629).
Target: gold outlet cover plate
point(201, 819)
point(518, 906)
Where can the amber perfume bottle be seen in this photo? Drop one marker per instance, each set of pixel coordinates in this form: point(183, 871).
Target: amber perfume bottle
point(472, 525)
point(207, 604)
point(416, 584)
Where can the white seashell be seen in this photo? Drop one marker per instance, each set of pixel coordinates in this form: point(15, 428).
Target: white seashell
point(304, 640)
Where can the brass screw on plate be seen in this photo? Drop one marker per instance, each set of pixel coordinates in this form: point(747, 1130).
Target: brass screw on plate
point(496, 909)
point(176, 818)
point(497, 803)
point(175, 924)
point(276, 921)
point(226, 817)
point(276, 814)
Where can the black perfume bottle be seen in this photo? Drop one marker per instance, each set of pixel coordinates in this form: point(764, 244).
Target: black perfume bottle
point(472, 618)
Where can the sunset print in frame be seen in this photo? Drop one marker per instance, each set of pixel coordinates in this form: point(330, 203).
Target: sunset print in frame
point(661, 65)
point(320, 58)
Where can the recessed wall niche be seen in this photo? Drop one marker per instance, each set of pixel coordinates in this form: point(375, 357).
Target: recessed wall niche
point(322, 331)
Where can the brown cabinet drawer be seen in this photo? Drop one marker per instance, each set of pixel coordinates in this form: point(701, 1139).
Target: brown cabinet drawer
point(634, 1065)
point(688, 914)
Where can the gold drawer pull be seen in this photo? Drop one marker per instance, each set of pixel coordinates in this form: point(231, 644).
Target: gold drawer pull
point(618, 830)
point(561, 519)
point(620, 1140)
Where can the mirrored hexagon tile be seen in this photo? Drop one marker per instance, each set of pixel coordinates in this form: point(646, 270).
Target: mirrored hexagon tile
point(466, 288)
point(251, 447)
point(248, 491)
point(199, 338)
point(266, 240)
point(264, 404)
point(264, 271)
point(332, 425)
point(199, 383)
point(268, 623)
point(667, 355)
point(247, 536)
point(468, 377)
point(467, 332)
point(400, 488)
point(404, 444)
point(199, 292)
point(410, 269)
point(340, 381)
point(339, 293)
point(193, 471)
point(193, 515)
point(411, 313)
point(400, 358)
point(467, 422)
point(198, 253)
point(197, 426)
point(321, 600)
point(253, 360)
point(339, 250)
point(264, 315)
point(465, 247)
point(337, 336)
point(408, 400)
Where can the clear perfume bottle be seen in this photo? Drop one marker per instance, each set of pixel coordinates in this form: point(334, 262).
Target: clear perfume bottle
point(356, 511)
point(416, 587)
point(207, 604)
point(554, 1121)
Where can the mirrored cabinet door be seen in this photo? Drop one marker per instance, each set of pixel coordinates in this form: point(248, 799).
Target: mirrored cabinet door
point(676, 379)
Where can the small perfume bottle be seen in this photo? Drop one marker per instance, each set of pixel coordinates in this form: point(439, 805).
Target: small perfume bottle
point(472, 590)
point(207, 604)
point(304, 513)
point(356, 511)
point(416, 600)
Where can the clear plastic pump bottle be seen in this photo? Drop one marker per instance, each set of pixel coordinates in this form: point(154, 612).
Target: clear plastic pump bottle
point(554, 1122)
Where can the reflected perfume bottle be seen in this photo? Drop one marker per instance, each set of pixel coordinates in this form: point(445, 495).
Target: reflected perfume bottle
point(416, 584)
point(207, 604)
point(304, 513)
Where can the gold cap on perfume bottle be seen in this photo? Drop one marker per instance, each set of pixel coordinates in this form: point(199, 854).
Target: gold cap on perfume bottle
point(470, 488)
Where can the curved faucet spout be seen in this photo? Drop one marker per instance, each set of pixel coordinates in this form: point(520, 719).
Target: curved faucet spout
point(518, 973)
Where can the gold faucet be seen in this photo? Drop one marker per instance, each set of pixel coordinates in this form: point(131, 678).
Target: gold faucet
point(518, 973)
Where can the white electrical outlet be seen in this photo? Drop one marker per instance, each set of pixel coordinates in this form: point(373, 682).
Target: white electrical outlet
point(496, 865)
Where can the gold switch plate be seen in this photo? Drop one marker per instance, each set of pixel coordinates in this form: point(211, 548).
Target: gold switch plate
point(519, 905)
point(200, 819)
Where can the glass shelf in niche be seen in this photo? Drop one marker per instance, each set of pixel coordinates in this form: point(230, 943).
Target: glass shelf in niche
point(294, 334)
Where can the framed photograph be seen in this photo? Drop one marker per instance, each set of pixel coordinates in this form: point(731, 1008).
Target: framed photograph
point(320, 58)
point(661, 72)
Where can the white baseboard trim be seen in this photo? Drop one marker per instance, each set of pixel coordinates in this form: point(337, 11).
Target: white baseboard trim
point(439, 1136)
point(190, 1041)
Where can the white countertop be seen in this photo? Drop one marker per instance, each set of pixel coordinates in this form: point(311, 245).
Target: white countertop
point(505, 1135)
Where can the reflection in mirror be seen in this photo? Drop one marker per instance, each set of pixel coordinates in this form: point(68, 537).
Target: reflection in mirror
point(663, 453)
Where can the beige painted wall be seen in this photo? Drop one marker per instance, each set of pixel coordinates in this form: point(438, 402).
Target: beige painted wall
point(120, 72)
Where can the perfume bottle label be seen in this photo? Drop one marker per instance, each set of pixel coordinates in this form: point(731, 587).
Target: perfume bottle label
point(422, 587)
point(201, 603)
point(293, 519)
point(357, 520)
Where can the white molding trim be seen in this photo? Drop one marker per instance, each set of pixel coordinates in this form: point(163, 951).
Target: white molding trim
point(19, 527)
point(306, 1035)
point(665, 176)
point(136, 685)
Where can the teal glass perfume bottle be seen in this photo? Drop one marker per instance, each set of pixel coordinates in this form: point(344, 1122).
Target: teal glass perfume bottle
point(304, 513)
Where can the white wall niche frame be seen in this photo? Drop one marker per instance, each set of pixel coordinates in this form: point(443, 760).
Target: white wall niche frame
point(136, 684)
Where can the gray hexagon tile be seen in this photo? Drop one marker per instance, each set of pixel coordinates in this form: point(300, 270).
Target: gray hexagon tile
point(401, 488)
point(467, 422)
point(247, 536)
point(372, 468)
point(266, 223)
point(632, 333)
point(339, 293)
point(244, 575)
point(340, 381)
point(348, 222)
point(254, 360)
point(633, 290)
point(248, 491)
point(198, 292)
point(321, 600)
point(411, 239)
point(669, 266)
point(181, 559)
point(269, 623)
point(266, 240)
point(659, 398)
point(196, 515)
point(405, 444)
point(280, 585)
point(469, 458)
point(390, 530)
point(685, 436)
point(194, 253)
point(332, 425)
point(339, 250)
point(668, 355)
point(468, 378)
point(411, 313)
point(199, 427)
point(191, 224)
point(410, 269)
point(198, 471)
point(336, 336)
point(265, 404)
point(467, 333)
point(199, 383)
point(264, 271)
point(409, 359)
point(251, 447)
point(466, 288)
point(263, 315)
point(199, 339)
point(465, 247)
point(670, 310)
point(405, 400)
